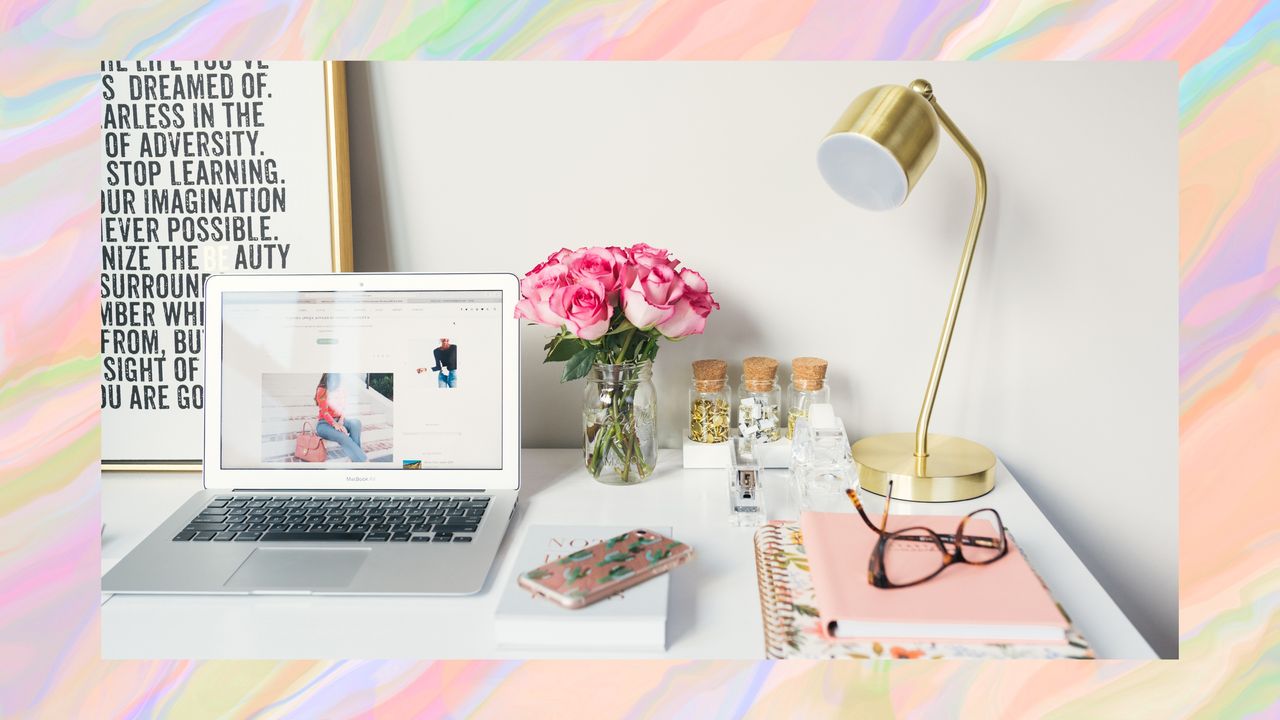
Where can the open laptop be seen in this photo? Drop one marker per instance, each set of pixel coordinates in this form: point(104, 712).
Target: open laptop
point(361, 436)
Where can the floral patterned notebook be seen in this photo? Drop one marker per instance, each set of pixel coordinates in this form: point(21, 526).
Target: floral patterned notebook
point(792, 629)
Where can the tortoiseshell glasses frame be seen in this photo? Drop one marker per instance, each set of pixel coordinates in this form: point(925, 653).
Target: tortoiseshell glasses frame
point(876, 567)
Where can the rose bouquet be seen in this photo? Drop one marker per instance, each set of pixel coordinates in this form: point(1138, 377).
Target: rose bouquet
point(611, 306)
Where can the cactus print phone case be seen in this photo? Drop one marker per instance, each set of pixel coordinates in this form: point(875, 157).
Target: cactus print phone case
point(598, 571)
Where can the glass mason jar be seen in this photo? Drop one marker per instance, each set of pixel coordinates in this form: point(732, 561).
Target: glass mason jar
point(759, 409)
point(709, 410)
point(620, 422)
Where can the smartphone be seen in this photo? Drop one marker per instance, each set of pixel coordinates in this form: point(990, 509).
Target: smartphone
point(598, 571)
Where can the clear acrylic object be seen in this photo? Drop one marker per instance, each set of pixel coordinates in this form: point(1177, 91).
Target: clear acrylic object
point(746, 500)
point(821, 462)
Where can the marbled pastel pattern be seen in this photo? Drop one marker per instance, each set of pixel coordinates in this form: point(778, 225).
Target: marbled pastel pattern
point(1229, 103)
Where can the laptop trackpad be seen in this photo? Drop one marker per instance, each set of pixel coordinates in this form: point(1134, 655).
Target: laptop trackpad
point(319, 568)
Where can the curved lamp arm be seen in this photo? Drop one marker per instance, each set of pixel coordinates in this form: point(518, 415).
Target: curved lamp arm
point(957, 292)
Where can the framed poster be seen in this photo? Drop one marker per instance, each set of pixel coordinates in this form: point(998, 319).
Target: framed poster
point(207, 167)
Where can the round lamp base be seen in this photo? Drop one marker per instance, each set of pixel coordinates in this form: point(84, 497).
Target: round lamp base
point(956, 469)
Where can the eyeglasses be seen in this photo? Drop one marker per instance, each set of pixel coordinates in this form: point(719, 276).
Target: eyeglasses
point(912, 555)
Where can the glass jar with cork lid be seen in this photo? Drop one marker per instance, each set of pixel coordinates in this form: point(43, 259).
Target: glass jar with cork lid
point(709, 402)
point(808, 387)
point(760, 400)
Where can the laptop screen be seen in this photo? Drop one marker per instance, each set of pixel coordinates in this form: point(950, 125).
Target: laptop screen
point(402, 380)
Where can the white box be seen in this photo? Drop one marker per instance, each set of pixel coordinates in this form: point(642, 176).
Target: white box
point(705, 455)
point(776, 454)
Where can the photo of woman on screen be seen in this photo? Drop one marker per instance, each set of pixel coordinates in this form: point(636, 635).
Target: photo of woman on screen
point(446, 367)
point(331, 424)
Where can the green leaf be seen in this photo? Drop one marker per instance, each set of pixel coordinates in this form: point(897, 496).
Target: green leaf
point(579, 365)
point(653, 556)
point(805, 609)
point(624, 326)
point(564, 347)
point(576, 557)
point(613, 557)
point(574, 573)
point(616, 573)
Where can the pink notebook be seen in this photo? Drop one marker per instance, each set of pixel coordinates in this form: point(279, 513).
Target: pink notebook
point(1001, 602)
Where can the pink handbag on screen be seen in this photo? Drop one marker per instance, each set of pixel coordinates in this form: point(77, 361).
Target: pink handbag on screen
point(309, 447)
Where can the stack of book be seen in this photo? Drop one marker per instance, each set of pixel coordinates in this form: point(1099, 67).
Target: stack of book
point(816, 600)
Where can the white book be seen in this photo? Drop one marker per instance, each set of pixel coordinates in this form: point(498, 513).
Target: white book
point(635, 619)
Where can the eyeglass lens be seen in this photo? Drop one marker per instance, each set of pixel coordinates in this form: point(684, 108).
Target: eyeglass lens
point(911, 556)
point(983, 540)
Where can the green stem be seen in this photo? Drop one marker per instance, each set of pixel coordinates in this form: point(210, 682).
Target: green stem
point(616, 436)
point(622, 353)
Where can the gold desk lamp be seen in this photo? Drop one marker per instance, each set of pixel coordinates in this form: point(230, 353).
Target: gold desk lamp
point(873, 157)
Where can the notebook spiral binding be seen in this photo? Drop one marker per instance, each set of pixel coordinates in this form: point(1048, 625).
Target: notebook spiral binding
point(776, 609)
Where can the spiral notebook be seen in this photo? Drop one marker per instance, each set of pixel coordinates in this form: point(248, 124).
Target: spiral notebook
point(793, 627)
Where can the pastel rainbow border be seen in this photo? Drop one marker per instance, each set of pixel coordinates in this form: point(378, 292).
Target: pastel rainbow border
point(1229, 100)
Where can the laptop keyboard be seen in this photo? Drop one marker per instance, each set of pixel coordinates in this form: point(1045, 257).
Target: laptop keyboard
point(337, 518)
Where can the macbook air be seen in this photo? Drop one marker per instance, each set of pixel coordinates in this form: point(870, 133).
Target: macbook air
point(361, 436)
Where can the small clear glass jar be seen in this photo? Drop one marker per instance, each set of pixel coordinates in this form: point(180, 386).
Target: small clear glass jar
point(709, 402)
point(808, 388)
point(760, 401)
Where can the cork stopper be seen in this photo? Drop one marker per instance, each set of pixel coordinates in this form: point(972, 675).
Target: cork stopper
point(758, 373)
point(808, 373)
point(710, 375)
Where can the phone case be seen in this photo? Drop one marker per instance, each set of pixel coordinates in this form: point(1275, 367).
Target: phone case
point(598, 571)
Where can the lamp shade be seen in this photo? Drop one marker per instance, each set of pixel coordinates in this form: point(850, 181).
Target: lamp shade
point(880, 146)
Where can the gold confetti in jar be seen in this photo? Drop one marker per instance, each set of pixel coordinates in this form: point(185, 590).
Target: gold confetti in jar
point(709, 402)
point(808, 387)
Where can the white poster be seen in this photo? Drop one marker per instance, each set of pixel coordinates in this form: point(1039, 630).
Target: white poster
point(207, 167)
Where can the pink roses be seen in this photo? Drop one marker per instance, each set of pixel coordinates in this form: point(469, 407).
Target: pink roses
point(584, 307)
point(676, 301)
point(601, 298)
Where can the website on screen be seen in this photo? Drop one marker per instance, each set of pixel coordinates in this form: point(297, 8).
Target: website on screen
point(384, 379)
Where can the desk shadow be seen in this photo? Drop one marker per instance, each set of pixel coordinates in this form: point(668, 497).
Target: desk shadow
point(540, 470)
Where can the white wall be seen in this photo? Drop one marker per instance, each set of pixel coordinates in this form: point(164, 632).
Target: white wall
point(1065, 359)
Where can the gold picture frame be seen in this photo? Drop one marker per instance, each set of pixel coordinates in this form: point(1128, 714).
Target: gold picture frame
point(341, 253)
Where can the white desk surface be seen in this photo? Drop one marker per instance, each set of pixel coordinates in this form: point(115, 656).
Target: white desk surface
point(713, 612)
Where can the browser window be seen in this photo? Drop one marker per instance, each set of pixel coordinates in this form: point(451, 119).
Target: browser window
point(380, 379)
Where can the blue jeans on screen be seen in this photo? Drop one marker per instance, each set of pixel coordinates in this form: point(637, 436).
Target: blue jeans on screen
point(350, 441)
point(447, 379)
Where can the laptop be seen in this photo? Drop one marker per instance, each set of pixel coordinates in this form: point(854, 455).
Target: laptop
point(361, 436)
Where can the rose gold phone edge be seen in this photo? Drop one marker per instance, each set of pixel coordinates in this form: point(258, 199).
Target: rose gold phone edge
point(576, 603)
